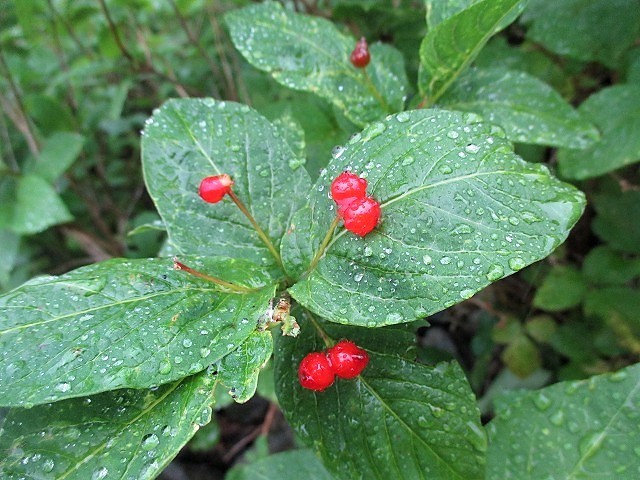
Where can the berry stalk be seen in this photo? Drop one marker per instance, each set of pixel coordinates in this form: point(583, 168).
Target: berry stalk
point(259, 231)
point(227, 285)
point(323, 245)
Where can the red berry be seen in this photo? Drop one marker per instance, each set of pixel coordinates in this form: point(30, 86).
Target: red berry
point(348, 186)
point(213, 189)
point(360, 56)
point(347, 359)
point(361, 216)
point(315, 372)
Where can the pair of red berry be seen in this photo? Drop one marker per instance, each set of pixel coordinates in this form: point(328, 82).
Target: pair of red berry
point(318, 370)
point(359, 212)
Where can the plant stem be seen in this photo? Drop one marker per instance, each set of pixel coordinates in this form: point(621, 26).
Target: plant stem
point(323, 245)
point(228, 285)
point(260, 232)
point(328, 341)
point(375, 92)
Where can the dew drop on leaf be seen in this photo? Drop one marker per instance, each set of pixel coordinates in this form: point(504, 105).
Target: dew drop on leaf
point(100, 473)
point(516, 263)
point(495, 272)
point(164, 367)
point(150, 441)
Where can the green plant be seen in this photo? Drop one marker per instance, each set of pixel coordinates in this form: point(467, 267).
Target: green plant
point(111, 368)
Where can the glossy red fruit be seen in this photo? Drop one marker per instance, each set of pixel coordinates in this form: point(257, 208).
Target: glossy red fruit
point(213, 189)
point(315, 372)
point(360, 56)
point(347, 359)
point(348, 186)
point(361, 216)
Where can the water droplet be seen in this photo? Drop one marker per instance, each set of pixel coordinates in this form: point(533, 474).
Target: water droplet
point(514, 221)
point(446, 169)
point(368, 251)
point(467, 293)
point(530, 217)
point(205, 416)
point(516, 263)
point(590, 444)
point(618, 376)
point(426, 260)
point(403, 117)
point(422, 422)
point(445, 260)
point(541, 401)
point(150, 441)
point(337, 151)
point(358, 277)
point(495, 272)
point(557, 418)
point(453, 134)
point(48, 465)
point(62, 387)
point(186, 343)
point(100, 473)
point(436, 411)
point(472, 148)
point(204, 352)
point(408, 161)
point(373, 131)
point(164, 367)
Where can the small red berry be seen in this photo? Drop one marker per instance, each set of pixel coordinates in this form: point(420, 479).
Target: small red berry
point(315, 372)
point(361, 216)
point(347, 359)
point(213, 189)
point(360, 56)
point(348, 186)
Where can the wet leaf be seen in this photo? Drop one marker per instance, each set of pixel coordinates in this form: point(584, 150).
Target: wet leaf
point(398, 419)
point(616, 112)
point(240, 369)
point(527, 109)
point(309, 53)
point(589, 30)
point(122, 324)
point(571, 430)
point(459, 210)
point(449, 48)
point(614, 212)
point(438, 11)
point(562, 288)
point(290, 465)
point(187, 140)
point(120, 434)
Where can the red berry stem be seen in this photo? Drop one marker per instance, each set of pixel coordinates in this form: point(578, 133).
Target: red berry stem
point(259, 231)
point(323, 245)
point(227, 285)
point(374, 91)
point(328, 341)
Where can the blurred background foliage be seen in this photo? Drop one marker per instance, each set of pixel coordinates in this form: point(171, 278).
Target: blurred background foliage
point(78, 78)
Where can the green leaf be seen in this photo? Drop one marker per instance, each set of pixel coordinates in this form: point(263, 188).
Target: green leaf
point(522, 357)
point(571, 430)
point(459, 211)
point(589, 30)
point(291, 465)
point(58, 153)
point(398, 419)
point(528, 110)
point(562, 288)
point(187, 140)
point(438, 11)
point(121, 323)
point(448, 49)
point(8, 255)
point(240, 369)
point(616, 112)
point(121, 434)
point(614, 213)
point(29, 204)
point(311, 54)
point(602, 265)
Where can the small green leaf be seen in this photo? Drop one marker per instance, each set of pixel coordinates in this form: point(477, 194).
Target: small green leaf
point(571, 430)
point(448, 49)
point(603, 265)
point(616, 112)
point(119, 323)
point(619, 307)
point(310, 54)
point(522, 357)
point(187, 140)
point(614, 211)
point(398, 419)
point(240, 369)
point(527, 109)
point(120, 434)
point(541, 328)
point(589, 30)
point(58, 153)
point(29, 204)
point(291, 465)
point(562, 288)
point(459, 210)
